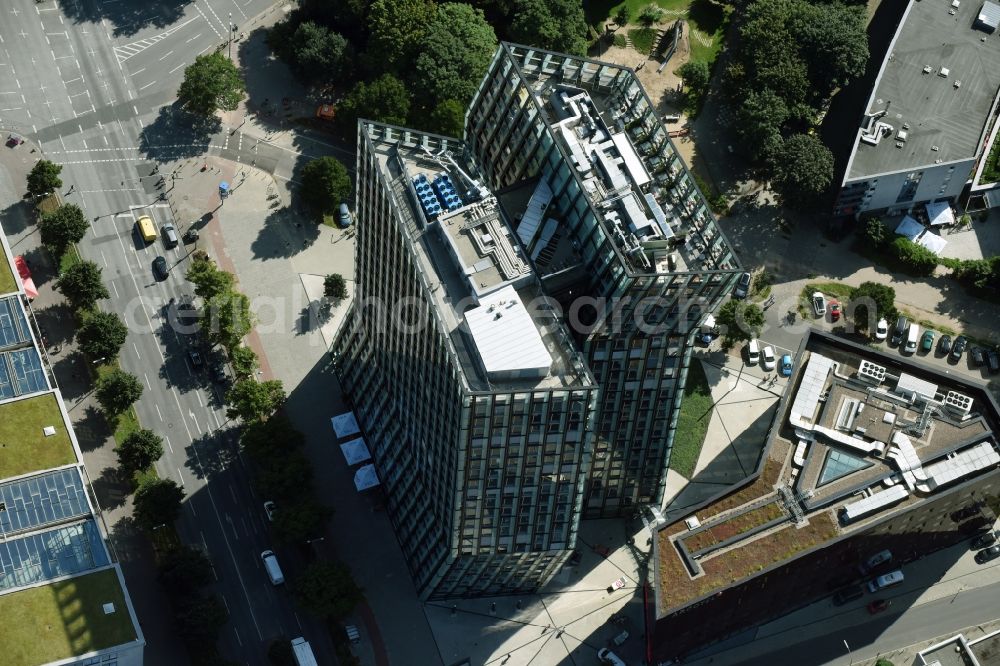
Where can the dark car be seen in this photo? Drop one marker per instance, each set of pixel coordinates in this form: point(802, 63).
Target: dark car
point(217, 369)
point(848, 594)
point(195, 358)
point(742, 286)
point(957, 349)
point(190, 236)
point(978, 355)
point(944, 344)
point(160, 269)
point(965, 512)
point(993, 360)
point(983, 541)
point(899, 330)
point(991, 553)
point(878, 606)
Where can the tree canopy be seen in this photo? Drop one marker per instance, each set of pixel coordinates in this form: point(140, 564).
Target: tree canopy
point(102, 335)
point(253, 401)
point(557, 25)
point(117, 391)
point(396, 28)
point(183, 571)
point(82, 285)
point(209, 281)
point(199, 621)
point(227, 319)
point(327, 590)
point(334, 286)
point(157, 502)
point(325, 184)
point(275, 437)
point(455, 51)
point(313, 51)
point(448, 118)
point(803, 170)
point(139, 450)
point(385, 99)
point(243, 360)
point(870, 301)
point(286, 479)
point(44, 178)
point(741, 321)
point(63, 227)
point(210, 83)
point(299, 521)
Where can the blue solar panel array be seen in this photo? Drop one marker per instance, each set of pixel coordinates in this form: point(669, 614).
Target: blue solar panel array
point(60, 552)
point(437, 195)
point(42, 500)
point(13, 326)
point(21, 373)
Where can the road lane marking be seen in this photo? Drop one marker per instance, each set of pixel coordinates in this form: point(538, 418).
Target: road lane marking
point(115, 289)
point(140, 358)
point(232, 492)
point(180, 476)
point(104, 258)
point(166, 55)
point(160, 415)
point(197, 394)
point(146, 86)
point(177, 67)
point(195, 419)
point(193, 38)
point(238, 640)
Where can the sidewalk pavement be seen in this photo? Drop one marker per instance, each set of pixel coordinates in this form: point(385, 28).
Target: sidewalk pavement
point(55, 319)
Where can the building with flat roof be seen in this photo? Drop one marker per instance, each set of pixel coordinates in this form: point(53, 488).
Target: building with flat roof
point(961, 651)
point(62, 594)
point(867, 452)
point(929, 115)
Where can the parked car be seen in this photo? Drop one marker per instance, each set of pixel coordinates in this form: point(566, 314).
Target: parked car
point(848, 594)
point(786, 366)
point(978, 355)
point(768, 356)
point(269, 510)
point(927, 341)
point(944, 344)
point(195, 357)
point(190, 236)
point(618, 583)
point(160, 269)
point(742, 286)
point(878, 606)
point(899, 331)
point(983, 541)
point(993, 361)
point(885, 580)
point(819, 303)
point(881, 330)
point(875, 561)
point(753, 352)
point(217, 370)
point(344, 216)
point(834, 307)
point(991, 553)
point(957, 349)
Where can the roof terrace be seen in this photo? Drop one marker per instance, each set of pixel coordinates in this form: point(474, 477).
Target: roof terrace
point(859, 436)
point(33, 436)
point(488, 299)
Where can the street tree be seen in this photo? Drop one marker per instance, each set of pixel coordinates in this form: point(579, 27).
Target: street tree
point(227, 319)
point(623, 15)
point(557, 25)
point(211, 83)
point(650, 14)
point(327, 590)
point(695, 74)
point(313, 51)
point(804, 169)
point(832, 40)
point(157, 502)
point(300, 521)
point(325, 184)
point(117, 391)
point(138, 451)
point(448, 118)
point(44, 178)
point(870, 301)
point(199, 621)
point(274, 438)
point(101, 335)
point(183, 571)
point(82, 285)
point(62, 227)
point(254, 401)
point(334, 287)
point(285, 480)
point(208, 280)
point(385, 99)
point(279, 652)
point(740, 320)
point(875, 233)
point(761, 114)
point(395, 29)
point(455, 51)
point(244, 361)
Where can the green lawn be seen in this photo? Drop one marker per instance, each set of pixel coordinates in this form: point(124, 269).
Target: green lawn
point(23, 446)
point(64, 619)
point(7, 283)
point(696, 412)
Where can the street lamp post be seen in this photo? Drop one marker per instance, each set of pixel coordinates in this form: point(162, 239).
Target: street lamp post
point(849, 653)
point(230, 35)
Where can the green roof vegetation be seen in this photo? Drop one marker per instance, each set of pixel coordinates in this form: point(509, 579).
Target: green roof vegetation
point(738, 524)
point(7, 283)
point(24, 447)
point(692, 425)
point(64, 619)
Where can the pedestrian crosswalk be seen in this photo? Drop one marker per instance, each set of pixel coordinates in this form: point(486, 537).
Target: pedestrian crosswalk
point(125, 52)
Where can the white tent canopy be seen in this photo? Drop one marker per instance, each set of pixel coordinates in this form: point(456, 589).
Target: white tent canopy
point(940, 213)
point(365, 478)
point(909, 228)
point(932, 242)
point(345, 425)
point(355, 451)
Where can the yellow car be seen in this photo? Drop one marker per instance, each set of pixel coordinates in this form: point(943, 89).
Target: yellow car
point(146, 229)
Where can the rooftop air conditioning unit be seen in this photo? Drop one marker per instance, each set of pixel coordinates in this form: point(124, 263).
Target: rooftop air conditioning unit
point(944, 72)
point(901, 135)
point(927, 69)
point(957, 84)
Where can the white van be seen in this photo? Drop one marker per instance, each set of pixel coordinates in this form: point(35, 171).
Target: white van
point(912, 336)
point(888, 580)
point(753, 352)
point(303, 652)
point(272, 568)
point(608, 657)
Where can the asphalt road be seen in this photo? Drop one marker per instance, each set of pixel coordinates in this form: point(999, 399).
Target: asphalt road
point(92, 82)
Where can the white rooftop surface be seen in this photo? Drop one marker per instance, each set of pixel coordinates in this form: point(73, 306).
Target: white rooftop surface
point(811, 387)
point(532, 218)
point(940, 213)
point(962, 464)
point(506, 336)
point(910, 384)
point(632, 162)
point(879, 500)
